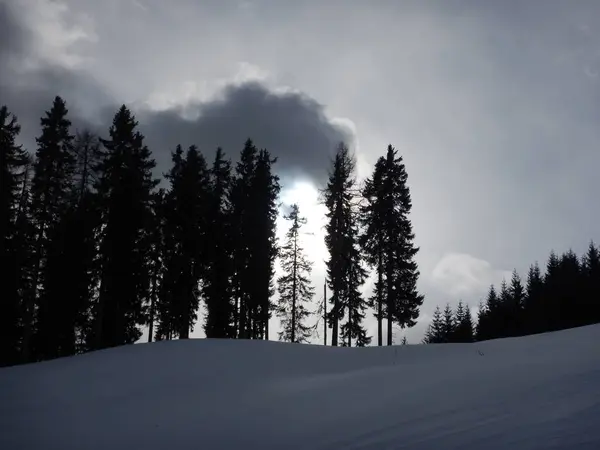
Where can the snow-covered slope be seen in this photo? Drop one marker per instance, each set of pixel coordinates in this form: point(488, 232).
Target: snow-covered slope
point(536, 392)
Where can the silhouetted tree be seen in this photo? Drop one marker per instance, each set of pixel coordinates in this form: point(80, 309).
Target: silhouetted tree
point(435, 332)
point(263, 244)
point(51, 195)
point(449, 326)
point(125, 189)
point(591, 285)
point(13, 178)
point(388, 243)
point(295, 289)
point(463, 324)
point(186, 223)
point(344, 272)
point(241, 219)
point(217, 287)
point(534, 301)
point(515, 305)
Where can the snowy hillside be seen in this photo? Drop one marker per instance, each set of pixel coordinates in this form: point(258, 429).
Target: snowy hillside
point(536, 392)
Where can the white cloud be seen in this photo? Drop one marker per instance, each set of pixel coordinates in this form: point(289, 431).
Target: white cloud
point(463, 275)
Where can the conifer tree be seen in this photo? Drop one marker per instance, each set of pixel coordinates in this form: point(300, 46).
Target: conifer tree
point(515, 306)
point(388, 243)
point(344, 273)
point(265, 190)
point(463, 321)
point(295, 289)
point(449, 326)
point(534, 295)
point(156, 257)
point(13, 170)
point(591, 284)
point(435, 331)
point(51, 195)
point(124, 190)
point(217, 284)
point(186, 223)
point(241, 219)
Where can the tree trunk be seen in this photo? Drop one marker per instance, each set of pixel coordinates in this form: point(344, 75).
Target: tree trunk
point(325, 313)
point(380, 301)
point(294, 287)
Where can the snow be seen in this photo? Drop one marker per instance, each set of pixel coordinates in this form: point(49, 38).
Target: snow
point(535, 392)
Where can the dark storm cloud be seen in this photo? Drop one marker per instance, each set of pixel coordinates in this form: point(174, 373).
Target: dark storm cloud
point(291, 125)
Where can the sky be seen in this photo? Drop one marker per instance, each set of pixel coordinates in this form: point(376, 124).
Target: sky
point(494, 107)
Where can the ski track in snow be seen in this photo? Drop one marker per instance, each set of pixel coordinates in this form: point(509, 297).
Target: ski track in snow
point(534, 392)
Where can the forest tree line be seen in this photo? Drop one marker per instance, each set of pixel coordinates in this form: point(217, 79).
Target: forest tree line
point(94, 247)
point(566, 295)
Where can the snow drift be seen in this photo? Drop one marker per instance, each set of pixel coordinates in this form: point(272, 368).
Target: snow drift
point(535, 392)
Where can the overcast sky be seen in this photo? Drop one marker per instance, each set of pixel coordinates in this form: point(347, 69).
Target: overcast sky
point(495, 106)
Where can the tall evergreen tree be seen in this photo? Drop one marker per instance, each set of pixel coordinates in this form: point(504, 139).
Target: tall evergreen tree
point(156, 257)
point(344, 273)
point(186, 223)
point(51, 195)
point(217, 284)
point(388, 243)
point(265, 190)
point(241, 219)
point(125, 187)
point(13, 169)
point(295, 289)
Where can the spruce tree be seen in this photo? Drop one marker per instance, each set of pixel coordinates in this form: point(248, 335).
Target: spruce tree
point(156, 257)
point(463, 321)
point(217, 284)
point(186, 221)
point(265, 190)
point(124, 190)
point(295, 289)
point(591, 285)
point(388, 243)
point(13, 170)
point(516, 305)
point(344, 272)
point(449, 326)
point(435, 331)
point(51, 195)
point(242, 223)
point(534, 295)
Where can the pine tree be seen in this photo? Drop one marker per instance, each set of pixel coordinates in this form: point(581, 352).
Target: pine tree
point(435, 331)
point(480, 329)
point(591, 285)
point(156, 257)
point(13, 168)
point(217, 284)
point(344, 272)
point(388, 243)
point(74, 280)
point(186, 223)
point(265, 190)
point(449, 326)
point(241, 220)
point(515, 306)
point(295, 289)
point(533, 320)
point(463, 321)
point(51, 195)
point(125, 188)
